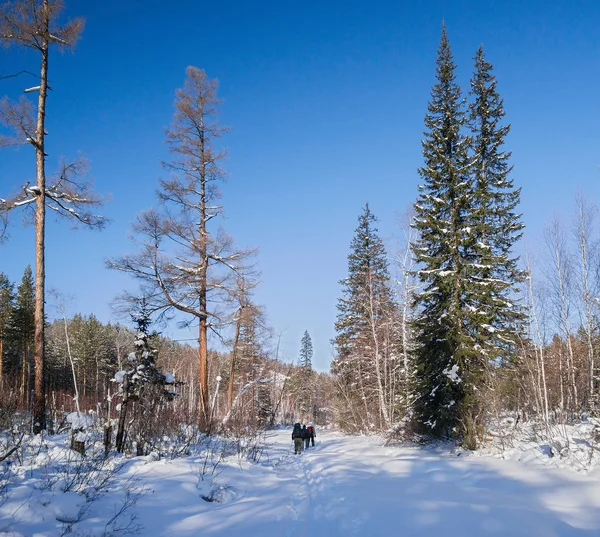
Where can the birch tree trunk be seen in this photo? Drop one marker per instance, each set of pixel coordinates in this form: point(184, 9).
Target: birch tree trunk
point(233, 361)
point(539, 349)
point(375, 336)
point(563, 288)
point(585, 215)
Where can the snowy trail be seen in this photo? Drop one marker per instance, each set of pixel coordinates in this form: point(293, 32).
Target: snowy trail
point(371, 490)
point(353, 486)
point(345, 486)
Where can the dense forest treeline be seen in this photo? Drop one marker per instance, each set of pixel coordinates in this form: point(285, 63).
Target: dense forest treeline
point(84, 353)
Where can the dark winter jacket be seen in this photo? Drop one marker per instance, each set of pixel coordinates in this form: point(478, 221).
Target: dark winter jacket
point(297, 432)
point(305, 434)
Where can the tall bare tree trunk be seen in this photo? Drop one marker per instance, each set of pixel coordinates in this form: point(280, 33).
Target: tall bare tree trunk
point(364, 397)
point(562, 383)
point(70, 356)
point(97, 377)
point(539, 350)
point(583, 230)
point(1, 361)
point(191, 392)
point(203, 378)
point(407, 289)
point(39, 400)
point(233, 360)
point(562, 273)
point(120, 439)
point(203, 347)
point(24, 400)
point(380, 387)
point(84, 376)
point(202, 337)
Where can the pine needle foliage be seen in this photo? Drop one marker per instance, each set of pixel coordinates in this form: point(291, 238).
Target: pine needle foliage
point(469, 318)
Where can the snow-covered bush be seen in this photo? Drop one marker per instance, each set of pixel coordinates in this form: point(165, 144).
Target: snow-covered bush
point(80, 422)
point(50, 483)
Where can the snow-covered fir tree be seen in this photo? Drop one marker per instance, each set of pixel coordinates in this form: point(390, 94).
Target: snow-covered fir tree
point(6, 308)
point(306, 352)
point(264, 404)
point(496, 226)
point(142, 386)
point(21, 332)
point(465, 215)
point(305, 383)
point(366, 374)
point(445, 369)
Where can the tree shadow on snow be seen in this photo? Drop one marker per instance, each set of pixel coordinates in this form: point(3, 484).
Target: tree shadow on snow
point(423, 495)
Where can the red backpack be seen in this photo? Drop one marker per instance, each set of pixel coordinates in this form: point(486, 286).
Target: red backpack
point(311, 429)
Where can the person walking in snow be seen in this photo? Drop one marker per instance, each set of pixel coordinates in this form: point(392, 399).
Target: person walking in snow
point(311, 434)
point(305, 436)
point(297, 438)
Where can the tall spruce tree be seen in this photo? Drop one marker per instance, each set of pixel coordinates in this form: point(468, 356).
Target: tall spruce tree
point(6, 309)
point(91, 352)
point(305, 387)
point(306, 352)
point(495, 224)
point(444, 369)
point(366, 340)
point(22, 329)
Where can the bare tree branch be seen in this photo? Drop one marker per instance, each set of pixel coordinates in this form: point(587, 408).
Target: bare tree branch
point(15, 75)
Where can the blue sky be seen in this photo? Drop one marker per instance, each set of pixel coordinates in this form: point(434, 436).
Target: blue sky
point(326, 103)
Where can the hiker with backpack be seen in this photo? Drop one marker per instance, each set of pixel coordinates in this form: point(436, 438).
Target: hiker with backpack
point(297, 438)
point(311, 434)
point(305, 436)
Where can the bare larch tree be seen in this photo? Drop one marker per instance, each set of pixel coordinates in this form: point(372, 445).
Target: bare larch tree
point(182, 264)
point(34, 24)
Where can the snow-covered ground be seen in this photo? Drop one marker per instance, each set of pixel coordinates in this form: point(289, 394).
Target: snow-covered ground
point(344, 486)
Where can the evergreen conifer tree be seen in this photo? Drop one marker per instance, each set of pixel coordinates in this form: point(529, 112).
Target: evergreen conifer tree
point(306, 352)
point(264, 405)
point(91, 351)
point(306, 373)
point(443, 350)
point(366, 339)
point(22, 328)
point(6, 309)
point(142, 385)
point(496, 226)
